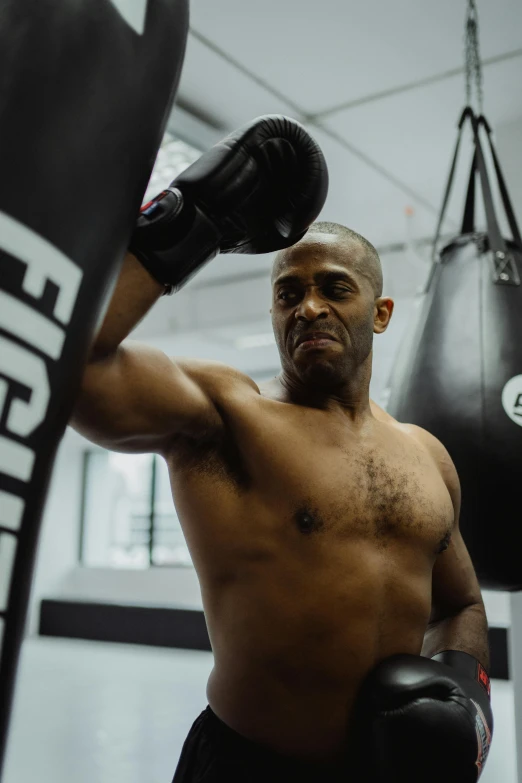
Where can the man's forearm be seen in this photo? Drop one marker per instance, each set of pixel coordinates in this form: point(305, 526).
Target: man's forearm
point(133, 296)
point(466, 631)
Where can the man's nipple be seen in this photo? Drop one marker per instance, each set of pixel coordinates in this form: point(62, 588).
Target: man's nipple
point(307, 523)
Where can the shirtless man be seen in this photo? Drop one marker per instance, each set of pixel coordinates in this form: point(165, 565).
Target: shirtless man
point(324, 534)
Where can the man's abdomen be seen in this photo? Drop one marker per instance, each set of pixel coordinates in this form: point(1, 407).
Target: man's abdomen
point(293, 645)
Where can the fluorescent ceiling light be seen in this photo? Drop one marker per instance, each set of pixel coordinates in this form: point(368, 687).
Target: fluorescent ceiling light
point(254, 341)
point(174, 156)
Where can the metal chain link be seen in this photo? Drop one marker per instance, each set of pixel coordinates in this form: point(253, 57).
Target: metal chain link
point(473, 64)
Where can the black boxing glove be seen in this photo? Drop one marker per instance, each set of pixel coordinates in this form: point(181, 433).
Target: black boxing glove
point(256, 191)
point(427, 720)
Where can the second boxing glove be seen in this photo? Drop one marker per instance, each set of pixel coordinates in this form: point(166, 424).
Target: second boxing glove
point(427, 720)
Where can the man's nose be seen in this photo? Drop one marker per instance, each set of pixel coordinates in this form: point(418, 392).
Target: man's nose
point(311, 307)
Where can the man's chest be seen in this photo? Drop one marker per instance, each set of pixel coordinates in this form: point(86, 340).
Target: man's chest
point(320, 480)
point(349, 489)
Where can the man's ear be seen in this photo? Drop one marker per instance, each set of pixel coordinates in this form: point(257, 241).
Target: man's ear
point(383, 311)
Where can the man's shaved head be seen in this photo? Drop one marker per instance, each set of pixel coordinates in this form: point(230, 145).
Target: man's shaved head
point(367, 263)
point(330, 284)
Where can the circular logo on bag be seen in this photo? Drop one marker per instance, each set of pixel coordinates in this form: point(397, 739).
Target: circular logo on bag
point(512, 399)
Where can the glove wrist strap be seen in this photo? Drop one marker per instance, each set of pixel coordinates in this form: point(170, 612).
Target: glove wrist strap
point(173, 239)
point(466, 664)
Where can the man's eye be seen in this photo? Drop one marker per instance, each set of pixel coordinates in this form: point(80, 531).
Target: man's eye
point(286, 295)
point(336, 290)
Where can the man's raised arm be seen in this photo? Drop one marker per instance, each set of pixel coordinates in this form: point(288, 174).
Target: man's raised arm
point(256, 191)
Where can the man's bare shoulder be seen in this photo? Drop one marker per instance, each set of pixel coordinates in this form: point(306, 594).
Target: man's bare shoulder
point(412, 431)
point(215, 378)
point(380, 414)
point(429, 441)
point(420, 435)
point(439, 454)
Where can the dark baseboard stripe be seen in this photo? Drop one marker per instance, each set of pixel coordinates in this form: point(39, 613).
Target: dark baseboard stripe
point(152, 625)
point(498, 648)
point(169, 627)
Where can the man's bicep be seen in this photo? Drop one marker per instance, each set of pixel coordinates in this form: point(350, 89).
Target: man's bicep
point(137, 399)
point(454, 581)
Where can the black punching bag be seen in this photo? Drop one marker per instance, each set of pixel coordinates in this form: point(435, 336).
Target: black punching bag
point(86, 88)
point(459, 372)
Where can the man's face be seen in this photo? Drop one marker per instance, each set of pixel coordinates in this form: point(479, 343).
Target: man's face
point(318, 289)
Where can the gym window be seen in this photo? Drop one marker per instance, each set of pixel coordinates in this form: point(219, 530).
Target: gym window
point(128, 515)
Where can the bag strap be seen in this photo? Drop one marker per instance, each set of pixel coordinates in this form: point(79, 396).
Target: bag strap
point(468, 221)
point(505, 270)
point(467, 114)
point(496, 240)
point(506, 200)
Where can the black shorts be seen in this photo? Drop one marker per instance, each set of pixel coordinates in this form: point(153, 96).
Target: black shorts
point(215, 753)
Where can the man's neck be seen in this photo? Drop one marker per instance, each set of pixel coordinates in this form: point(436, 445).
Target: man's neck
point(353, 402)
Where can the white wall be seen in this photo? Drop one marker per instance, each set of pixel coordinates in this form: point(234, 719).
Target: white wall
point(515, 658)
point(508, 138)
point(174, 587)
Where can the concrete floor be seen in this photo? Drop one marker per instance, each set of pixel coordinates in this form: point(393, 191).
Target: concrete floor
point(90, 712)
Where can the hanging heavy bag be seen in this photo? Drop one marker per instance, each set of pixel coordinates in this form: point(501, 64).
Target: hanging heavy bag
point(85, 92)
point(459, 372)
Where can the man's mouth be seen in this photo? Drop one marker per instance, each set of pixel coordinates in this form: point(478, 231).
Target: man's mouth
point(315, 339)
